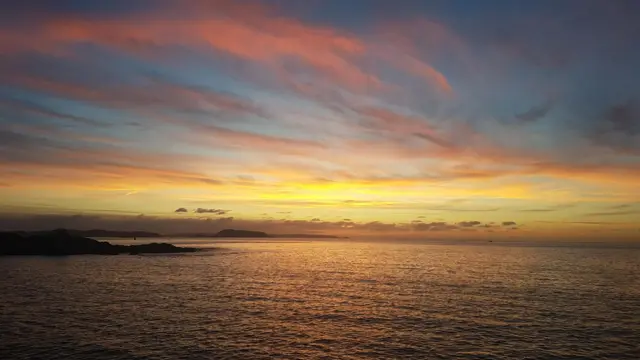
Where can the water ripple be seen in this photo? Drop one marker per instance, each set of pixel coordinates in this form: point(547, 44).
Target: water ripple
point(324, 300)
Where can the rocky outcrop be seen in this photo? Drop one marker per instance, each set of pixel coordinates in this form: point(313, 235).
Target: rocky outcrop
point(62, 242)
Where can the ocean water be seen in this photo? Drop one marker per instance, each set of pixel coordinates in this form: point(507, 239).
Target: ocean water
point(326, 300)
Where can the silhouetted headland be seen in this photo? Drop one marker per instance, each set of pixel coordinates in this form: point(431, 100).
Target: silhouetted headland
point(62, 242)
point(232, 233)
point(309, 236)
point(226, 233)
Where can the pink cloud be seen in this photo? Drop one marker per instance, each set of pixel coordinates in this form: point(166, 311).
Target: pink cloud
point(255, 33)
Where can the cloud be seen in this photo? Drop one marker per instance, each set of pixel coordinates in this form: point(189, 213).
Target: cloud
point(211, 211)
point(95, 168)
point(508, 223)
point(433, 226)
point(255, 35)
point(613, 213)
point(469, 223)
point(618, 128)
point(213, 136)
point(550, 208)
point(376, 226)
point(115, 89)
point(393, 123)
point(34, 108)
point(181, 210)
point(624, 118)
point(456, 209)
point(536, 112)
point(622, 206)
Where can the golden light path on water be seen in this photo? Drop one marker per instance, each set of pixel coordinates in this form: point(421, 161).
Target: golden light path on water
point(327, 299)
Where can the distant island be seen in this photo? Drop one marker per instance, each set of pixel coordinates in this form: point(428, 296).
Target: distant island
point(309, 236)
point(64, 242)
point(232, 233)
point(226, 233)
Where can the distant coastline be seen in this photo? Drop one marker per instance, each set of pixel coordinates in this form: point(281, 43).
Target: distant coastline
point(233, 233)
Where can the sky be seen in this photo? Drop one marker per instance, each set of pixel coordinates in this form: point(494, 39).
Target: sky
point(360, 117)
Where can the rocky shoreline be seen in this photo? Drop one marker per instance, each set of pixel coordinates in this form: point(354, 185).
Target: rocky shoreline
point(61, 243)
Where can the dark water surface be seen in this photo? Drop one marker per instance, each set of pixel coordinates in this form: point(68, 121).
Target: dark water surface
point(326, 300)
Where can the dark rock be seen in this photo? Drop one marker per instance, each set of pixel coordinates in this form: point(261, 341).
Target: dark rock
point(61, 242)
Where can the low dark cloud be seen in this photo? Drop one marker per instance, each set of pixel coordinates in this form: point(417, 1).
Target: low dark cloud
point(536, 112)
point(508, 223)
point(211, 211)
point(539, 210)
point(548, 209)
point(452, 208)
point(614, 213)
point(617, 210)
point(434, 226)
point(580, 222)
point(181, 210)
point(590, 222)
point(377, 226)
point(621, 206)
point(467, 224)
point(220, 220)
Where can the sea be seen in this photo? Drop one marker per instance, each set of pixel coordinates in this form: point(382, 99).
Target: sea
point(300, 299)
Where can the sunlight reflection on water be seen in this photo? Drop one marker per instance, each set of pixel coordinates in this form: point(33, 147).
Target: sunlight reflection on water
point(325, 299)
